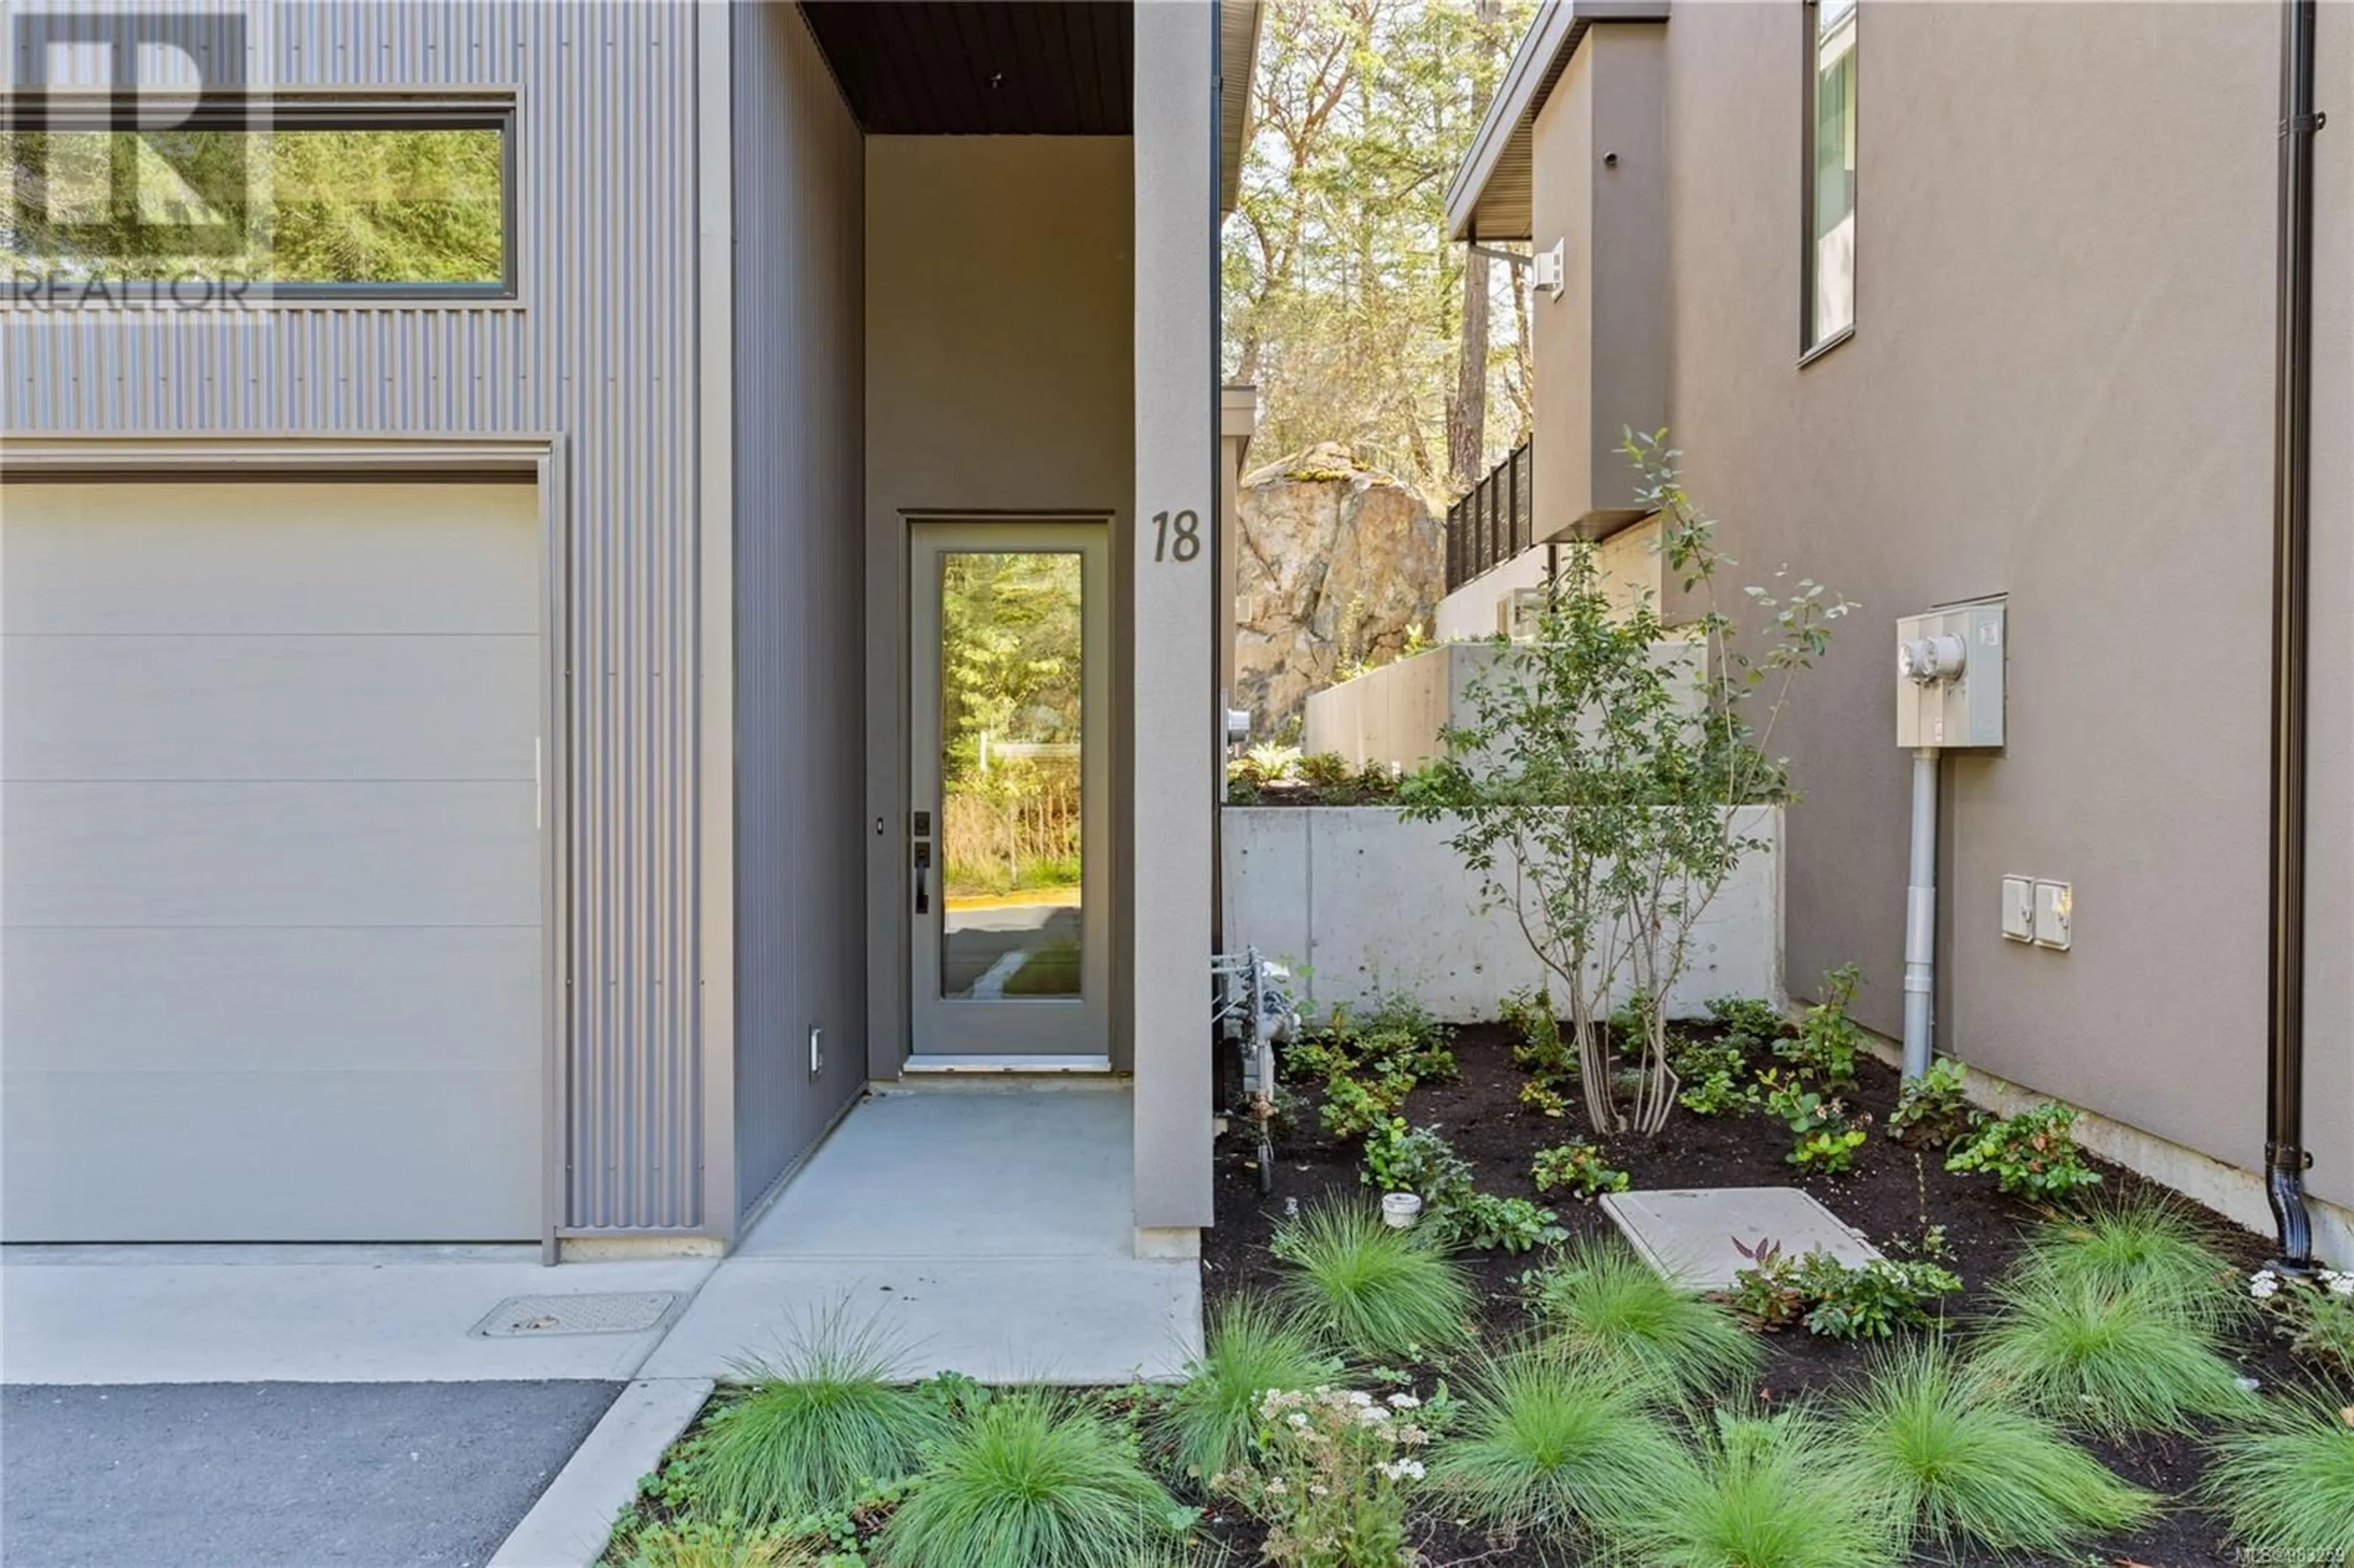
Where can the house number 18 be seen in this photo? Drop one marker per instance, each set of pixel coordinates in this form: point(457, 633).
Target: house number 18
point(1187, 528)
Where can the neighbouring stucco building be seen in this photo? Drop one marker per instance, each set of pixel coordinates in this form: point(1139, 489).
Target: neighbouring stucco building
point(1945, 301)
point(478, 756)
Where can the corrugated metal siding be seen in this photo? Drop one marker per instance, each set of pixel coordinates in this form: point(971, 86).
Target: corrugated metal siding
point(799, 620)
point(602, 349)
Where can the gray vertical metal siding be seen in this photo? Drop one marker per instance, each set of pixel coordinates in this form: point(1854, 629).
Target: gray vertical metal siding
point(799, 613)
point(600, 347)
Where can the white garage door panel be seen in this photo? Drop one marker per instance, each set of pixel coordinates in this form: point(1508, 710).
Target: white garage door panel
point(287, 558)
point(419, 998)
point(308, 1157)
point(312, 707)
point(270, 854)
point(271, 867)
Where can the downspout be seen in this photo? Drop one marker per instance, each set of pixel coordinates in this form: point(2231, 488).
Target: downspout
point(1215, 530)
point(2285, 1158)
point(1921, 919)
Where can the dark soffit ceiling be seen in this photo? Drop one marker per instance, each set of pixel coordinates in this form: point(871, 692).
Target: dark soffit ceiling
point(981, 67)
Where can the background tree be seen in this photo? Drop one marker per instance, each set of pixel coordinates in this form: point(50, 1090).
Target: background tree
point(1345, 300)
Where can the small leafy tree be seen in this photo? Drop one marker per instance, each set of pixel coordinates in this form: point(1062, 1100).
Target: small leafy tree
point(1590, 789)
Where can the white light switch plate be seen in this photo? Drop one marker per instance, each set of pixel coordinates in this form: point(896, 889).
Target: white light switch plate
point(2018, 909)
point(2054, 914)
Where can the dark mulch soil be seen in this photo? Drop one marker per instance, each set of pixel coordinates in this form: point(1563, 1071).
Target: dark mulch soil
point(1891, 1194)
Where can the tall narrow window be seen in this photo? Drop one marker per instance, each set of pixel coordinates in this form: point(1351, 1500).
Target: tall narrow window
point(1827, 305)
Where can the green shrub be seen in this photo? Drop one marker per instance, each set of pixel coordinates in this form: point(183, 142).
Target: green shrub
point(1381, 1293)
point(1828, 1040)
point(1541, 1443)
point(1931, 1110)
point(1600, 1302)
point(1871, 1299)
point(1824, 1137)
point(2316, 1315)
point(1399, 1159)
point(2114, 1364)
point(1482, 1222)
point(2156, 1246)
point(1250, 1346)
point(1542, 1051)
point(2287, 1481)
point(1760, 1493)
point(1353, 1107)
point(2033, 1153)
point(820, 1425)
point(1749, 1021)
point(1577, 1167)
point(1033, 1480)
point(1944, 1454)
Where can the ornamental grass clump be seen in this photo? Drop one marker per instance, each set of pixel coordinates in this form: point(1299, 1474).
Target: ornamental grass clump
point(1333, 1470)
point(1759, 1492)
point(2153, 1247)
point(1251, 1346)
point(1031, 1481)
point(820, 1427)
point(1379, 1292)
point(1948, 1456)
point(1544, 1444)
point(1601, 1304)
point(2114, 1363)
point(2287, 1481)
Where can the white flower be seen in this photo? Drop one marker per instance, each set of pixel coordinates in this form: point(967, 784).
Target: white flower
point(1358, 1396)
point(1403, 1470)
point(1372, 1414)
point(2263, 1285)
point(1405, 1402)
point(1278, 1485)
point(1298, 1420)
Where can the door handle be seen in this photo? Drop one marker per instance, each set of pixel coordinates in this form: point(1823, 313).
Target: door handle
point(923, 879)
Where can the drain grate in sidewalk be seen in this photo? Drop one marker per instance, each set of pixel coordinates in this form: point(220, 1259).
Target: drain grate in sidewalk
point(607, 1312)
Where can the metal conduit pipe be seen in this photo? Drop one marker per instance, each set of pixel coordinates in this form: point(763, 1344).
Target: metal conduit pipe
point(1921, 917)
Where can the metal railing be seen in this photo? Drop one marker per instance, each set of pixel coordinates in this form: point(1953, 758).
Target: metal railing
point(1494, 522)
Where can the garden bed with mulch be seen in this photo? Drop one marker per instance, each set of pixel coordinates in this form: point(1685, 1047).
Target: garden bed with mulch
point(1892, 1195)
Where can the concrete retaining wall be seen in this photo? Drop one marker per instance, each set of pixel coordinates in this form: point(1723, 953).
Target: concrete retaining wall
point(1362, 904)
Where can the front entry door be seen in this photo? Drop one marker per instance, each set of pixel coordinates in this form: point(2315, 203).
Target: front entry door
point(1010, 854)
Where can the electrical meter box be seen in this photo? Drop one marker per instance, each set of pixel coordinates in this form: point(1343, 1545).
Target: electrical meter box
point(1949, 676)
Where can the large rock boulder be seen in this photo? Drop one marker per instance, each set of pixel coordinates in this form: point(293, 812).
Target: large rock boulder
point(1338, 563)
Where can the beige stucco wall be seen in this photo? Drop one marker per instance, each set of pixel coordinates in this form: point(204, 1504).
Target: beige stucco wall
point(2330, 972)
point(2060, 388)
point(999, 377)
point(1600, 350)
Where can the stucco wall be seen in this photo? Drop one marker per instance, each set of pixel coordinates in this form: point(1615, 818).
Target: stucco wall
point(2060, 388)
point(999, 379)
point(2330, 972)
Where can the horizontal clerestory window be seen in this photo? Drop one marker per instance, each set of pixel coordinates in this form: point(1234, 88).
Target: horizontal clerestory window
point(280, 199)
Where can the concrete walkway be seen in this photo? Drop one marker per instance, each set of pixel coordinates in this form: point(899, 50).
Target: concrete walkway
point(984, 1226)
point(988, 1231)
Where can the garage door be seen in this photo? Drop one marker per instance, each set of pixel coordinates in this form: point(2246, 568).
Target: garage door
point(269, 890)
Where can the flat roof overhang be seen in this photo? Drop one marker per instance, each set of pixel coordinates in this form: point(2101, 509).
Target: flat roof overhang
point(1488, 198)
point(1017, 67)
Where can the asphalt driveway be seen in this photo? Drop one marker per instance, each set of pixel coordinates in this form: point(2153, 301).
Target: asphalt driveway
point(280, 1475)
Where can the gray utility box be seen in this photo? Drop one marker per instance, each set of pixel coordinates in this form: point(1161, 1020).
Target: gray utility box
point(1949, 676)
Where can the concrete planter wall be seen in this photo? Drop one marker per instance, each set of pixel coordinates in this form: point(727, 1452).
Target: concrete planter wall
point(1362, 904)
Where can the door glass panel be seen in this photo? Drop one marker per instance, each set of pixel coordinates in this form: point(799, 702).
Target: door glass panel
point(1009, 770)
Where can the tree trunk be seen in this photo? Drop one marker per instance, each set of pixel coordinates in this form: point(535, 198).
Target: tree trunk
point(1467, 411)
